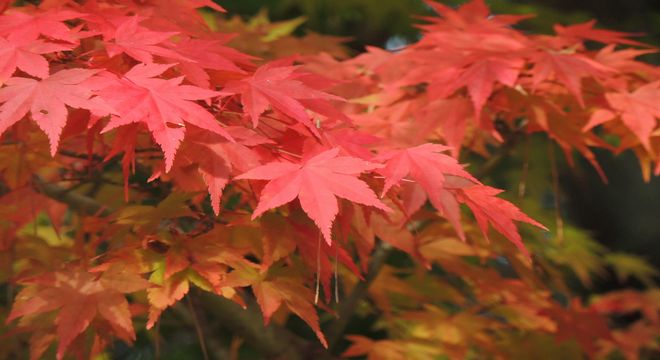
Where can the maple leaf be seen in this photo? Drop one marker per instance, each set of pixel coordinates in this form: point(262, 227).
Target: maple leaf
point(429, 168)
point(46, 101)
point(220, 160)
point(272, 291)
point(455, 114)
point(160, 298)
point(480, 77)
point(638, 110)
point(25, 55)
point(489, 209)
point(203, 261)
point(629, 301)
point(280, 87)
point(584, 325)
point(30, 26)
point(479, 73)
point(586, 31)
point(80, 298)
point(162, 104)
point(567, 68)
point(208, 55)
point(472, 15)
point(187, 4)
point(316, 182)
point(624, 60)
point(178, 15)
point(140, 43)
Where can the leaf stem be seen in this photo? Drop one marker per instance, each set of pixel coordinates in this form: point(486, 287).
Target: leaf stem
point(555, 189)
point(198, 328)
point(349, 304)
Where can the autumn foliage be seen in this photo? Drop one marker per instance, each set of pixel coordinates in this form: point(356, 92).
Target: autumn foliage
point(152, 147)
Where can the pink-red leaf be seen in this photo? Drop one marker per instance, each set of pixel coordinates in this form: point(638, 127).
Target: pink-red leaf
point(46, 101)
point(428, 167)
point(639, 110)
point(317, 183)
point(279, 87)
point(26, 55)
point(163, 105)
point(501, 214)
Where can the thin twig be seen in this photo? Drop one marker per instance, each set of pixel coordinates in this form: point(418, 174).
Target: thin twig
point(511, 139)
point(522, 184)
point(555, 188)
point(494, 161)
point(349, 304)
point(157, 340)
point(198, 328)
point(337, 274)
point(215, 349)
point(318, 270)
point(271, 341)
point(78, 202)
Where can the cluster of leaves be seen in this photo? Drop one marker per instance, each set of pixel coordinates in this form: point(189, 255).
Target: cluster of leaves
point(277, 169)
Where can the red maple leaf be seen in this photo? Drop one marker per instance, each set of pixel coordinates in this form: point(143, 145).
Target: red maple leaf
point(221, 158)
point(208, 55)
point(25, 54)
point(638, 110)
point(586, 31)
point(317, 183)
point(480, 77)
point(489, 209)
point(46, 101)
point(566, 68)
point(140, 43)
point(429, 168)
point(280, 87)
point(30, 26)
point(471, 16)
point(162, 104)
point(453, 124)
point(186, 5)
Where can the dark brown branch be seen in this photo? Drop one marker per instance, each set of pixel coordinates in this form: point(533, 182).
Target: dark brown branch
point(495, 160)
point(213, 348)
point(271, 341)
point(198, 328)
point(511, 139)
point(349, 304)
point(76, 201)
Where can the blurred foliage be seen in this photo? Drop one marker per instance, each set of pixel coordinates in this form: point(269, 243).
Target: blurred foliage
point(365, 21)
point(370, 22)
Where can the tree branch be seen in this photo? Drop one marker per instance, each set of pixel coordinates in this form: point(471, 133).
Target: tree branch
point(511, 139)
point(76, 201)
point(272, 341)
point(348, 306)
point(216, 349)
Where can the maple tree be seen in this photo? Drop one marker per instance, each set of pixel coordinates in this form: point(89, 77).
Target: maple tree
point(158, 152)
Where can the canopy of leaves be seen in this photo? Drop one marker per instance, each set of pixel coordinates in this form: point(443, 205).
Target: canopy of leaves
point(255, 178)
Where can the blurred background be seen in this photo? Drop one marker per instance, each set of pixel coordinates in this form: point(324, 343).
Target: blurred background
point(375, 22)
point(624, 214)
